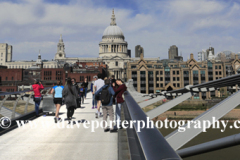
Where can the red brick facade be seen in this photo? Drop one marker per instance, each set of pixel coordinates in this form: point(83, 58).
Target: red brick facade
point(11, 75)
point(11, 78)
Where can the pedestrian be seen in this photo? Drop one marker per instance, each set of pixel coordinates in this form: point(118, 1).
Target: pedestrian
point(82, 93)
point(119, 100)
point(98, 84)
point(107, 93)
point(78, 99)
point(37, 87)
point(85, 84)
point(57, 99)
point(70, 94)
point(93, 89)
point(113, 81)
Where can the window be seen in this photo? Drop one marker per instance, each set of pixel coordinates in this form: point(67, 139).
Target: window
point(161, 78)
point(157, 78)
point(216, 73)
point(161, 72)
point(174, 84)
point(209, 65)
point(157, 72)
point(157, 85)
point(1, 55)
point(161, 84)
point(177, 72)
point(220, 67)
point(6, 78)
point(174, 79)
point(116, 63)
point(178, 85)
point(216, 67)
point(195, 72)
point(177, 78)
point(220, 73)
point(134, 72)
point(173, 72)
point(202, 72)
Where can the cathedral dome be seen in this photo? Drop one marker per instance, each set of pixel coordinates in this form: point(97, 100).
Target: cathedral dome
point(113, 31)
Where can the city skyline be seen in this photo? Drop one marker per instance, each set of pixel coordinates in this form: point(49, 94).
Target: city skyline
point(29, 26)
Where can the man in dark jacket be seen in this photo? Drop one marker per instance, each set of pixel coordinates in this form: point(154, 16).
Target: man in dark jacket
point(119, 99)
point(78, 90)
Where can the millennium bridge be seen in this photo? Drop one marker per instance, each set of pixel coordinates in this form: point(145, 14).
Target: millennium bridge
point(23, 137)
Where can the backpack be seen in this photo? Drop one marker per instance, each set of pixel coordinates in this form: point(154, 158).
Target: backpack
point(105, 96)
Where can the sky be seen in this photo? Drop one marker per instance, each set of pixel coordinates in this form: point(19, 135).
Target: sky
point(30, 25)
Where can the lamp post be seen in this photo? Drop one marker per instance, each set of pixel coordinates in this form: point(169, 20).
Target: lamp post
point(229, 87)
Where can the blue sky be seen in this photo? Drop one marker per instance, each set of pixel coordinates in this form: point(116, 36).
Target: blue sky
point(30, 25)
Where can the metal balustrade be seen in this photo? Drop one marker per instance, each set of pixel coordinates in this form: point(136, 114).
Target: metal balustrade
point(15, 107)
point(177, 139)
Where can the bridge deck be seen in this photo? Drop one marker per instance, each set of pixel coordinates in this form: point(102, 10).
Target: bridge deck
point(55, 143)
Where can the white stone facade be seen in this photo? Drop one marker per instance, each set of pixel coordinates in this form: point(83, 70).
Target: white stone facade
point(113, 51)
point(5, 53)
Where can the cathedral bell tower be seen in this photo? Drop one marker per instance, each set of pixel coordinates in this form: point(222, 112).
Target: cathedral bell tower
point(60, 49)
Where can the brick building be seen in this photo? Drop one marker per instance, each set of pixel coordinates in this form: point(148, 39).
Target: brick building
point(165, 75)
point(10, 79)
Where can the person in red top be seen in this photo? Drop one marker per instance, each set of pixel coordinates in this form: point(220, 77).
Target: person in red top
point(119, 99)
point(37, 87)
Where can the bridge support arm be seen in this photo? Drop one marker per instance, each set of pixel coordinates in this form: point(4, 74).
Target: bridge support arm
point(210, 146)
point(166, 106)
point(151, 101)
point(177, 139)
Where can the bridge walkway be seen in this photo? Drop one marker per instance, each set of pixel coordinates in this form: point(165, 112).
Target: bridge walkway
point(54, 142)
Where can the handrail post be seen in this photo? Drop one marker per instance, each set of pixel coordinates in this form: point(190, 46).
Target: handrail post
point(3, 101)
point(15, 105)
point(26, 106)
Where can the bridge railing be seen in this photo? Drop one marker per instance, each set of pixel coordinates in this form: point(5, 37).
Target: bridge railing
point(17, 104)
point(149, 143)
point(177, 139)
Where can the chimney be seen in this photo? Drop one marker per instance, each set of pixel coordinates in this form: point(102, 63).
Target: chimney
point(191, 56)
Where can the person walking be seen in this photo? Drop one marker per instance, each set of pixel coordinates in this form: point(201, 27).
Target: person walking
point(78, 98)
point(85, 86)
point(70, 94)
point(99, 83)
point(119, 100)
point(37, 87)
point(107, 93)
point(82, 93)
point(57, 99)
point(93, 90)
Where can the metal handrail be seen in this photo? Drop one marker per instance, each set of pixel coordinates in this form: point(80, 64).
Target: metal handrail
point(153, 144)
point(19, 92)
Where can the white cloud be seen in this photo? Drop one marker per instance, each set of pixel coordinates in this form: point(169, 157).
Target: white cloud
point(191, 25)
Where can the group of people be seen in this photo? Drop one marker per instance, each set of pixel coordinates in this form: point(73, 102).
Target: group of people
point(105, 93)
point(72, 94)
